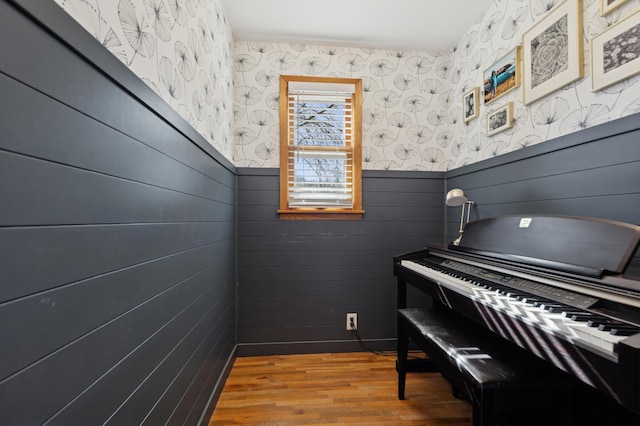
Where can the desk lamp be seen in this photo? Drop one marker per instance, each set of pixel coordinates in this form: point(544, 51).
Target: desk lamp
point(456, 198)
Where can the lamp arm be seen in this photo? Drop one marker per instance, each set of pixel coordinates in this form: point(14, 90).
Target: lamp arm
point(462, 219)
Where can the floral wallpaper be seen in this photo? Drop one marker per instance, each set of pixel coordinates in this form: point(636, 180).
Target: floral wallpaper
point(412, 105)
point(182, 49)
point(406, 101)
point(569, 109)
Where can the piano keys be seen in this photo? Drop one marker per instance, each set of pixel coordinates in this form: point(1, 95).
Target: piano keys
point(509, 296)
point(562, 288)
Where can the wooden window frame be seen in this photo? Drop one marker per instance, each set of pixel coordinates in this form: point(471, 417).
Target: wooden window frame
point(321, 213)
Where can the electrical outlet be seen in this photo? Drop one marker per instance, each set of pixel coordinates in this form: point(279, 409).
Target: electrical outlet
point(352, 321)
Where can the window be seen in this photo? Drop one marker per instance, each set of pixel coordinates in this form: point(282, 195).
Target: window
point(320, 148)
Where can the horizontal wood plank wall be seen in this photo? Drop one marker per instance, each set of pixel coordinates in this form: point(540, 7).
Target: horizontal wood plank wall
point(594, 172)
point(299, 278)
point(117, 239)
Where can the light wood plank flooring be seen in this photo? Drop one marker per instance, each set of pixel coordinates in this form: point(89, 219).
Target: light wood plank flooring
point(334, 389)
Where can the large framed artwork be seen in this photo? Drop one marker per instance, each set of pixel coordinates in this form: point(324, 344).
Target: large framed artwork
point(608, 6)
point(470, 106)
point(615, 53)
point(502, 76)
point(552, 51)
point(500, 119)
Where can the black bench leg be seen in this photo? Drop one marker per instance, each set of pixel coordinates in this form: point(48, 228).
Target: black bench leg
point(403, 353)
point(484, 409)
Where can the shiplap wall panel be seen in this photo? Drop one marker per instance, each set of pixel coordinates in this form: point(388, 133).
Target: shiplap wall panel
point(307, 259)
point(74, 368)
point(52, 320)
point(346, 287)
point(167, 351)
point(257, 228)
point(298, 279)
point(102, 248)
point(325, 240)
point(74, 196)
point(117, 238)
point(581, 151)
point(193, 384)
point(121, 157)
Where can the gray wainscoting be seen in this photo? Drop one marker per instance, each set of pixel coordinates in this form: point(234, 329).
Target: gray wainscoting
point(117, 239)
point(298, 278)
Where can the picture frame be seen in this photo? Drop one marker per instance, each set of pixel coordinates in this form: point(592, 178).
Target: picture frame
point(500, 119)
point(552, 51)
point(612, 58)
point(502, 76)
point(608, 6)
point(470, 104)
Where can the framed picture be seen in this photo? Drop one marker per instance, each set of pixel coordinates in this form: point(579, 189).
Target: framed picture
point(502, 76)
point(500, 119)
point(615, 53)
point(552, 51)
point(608, 6)
point(470, 107)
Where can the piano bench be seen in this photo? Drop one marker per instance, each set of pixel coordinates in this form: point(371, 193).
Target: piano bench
point(478, 364)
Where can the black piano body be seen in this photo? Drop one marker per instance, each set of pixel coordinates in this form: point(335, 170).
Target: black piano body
point(563, 288)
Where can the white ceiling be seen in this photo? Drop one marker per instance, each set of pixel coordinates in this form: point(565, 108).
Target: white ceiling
point(424, 25)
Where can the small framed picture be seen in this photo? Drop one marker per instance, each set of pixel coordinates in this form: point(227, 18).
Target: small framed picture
point(552, 51)
point(502, 76)
point(608, 6)
point(615, 53)
point(500, 119)
point(470, 107)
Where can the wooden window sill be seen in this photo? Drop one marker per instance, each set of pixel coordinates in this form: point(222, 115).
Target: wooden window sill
point(320, 214)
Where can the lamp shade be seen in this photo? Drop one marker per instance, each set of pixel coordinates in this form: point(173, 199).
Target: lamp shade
point(456, 197)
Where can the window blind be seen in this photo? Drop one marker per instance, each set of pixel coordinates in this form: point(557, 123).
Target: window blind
point(320, 147)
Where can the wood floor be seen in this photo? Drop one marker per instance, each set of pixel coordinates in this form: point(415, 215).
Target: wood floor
point(334, 389)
